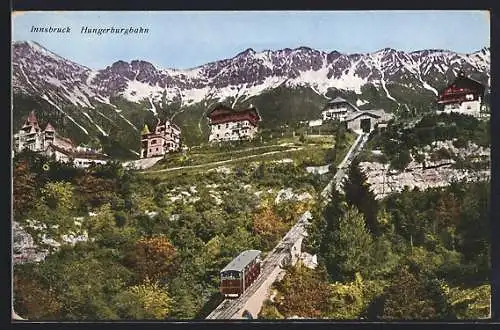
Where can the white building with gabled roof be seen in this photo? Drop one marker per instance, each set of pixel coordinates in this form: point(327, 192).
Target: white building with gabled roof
point(359, 121)
point(338, 109)
point(365, 121)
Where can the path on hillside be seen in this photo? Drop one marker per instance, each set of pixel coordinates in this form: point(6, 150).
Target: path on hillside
point(222, 162)
point(244, 150)
point(145, 163)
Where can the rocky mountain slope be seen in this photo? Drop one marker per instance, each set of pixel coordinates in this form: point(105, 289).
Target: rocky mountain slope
point(125, 95)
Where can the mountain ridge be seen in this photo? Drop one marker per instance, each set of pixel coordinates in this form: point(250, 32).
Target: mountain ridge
point(388, 78)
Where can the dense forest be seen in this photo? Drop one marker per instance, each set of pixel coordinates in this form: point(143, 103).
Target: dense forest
point(412, 255)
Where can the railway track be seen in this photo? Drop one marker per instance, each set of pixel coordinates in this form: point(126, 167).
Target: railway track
point(344, 165)
point(281, 254)
point(278, 256)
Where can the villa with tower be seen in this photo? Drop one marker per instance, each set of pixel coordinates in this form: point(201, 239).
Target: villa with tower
point(164, 139)
point(46, 141)
point(32, 137)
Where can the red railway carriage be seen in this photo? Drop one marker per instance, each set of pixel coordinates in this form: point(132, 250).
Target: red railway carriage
point(240, 273)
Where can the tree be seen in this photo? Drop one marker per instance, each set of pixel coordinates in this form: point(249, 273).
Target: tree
point(471, 303)
point(32, 299)
point(290, 210)
point(303, 292)
point(402, 159)
point(94, 190)
point(80, 279)
point(269, 311)
point(268, 226)
point(153, 258)
point(412, 296)
point(260, 171)
point(186, 299)
point(447, 216)
point(52, 216)
point(350, 246)
point(101, 225)
point(58, 195)
point(350, 299)
point(358, 194)
point(146, 301)
point(24, 188)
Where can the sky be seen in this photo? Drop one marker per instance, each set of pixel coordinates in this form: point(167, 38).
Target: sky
point(186, 39)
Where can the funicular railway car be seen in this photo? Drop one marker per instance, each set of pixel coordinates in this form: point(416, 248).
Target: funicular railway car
point(240, 273)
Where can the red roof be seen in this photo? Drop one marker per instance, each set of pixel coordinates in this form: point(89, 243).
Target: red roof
point(32, 118)
point(31, 121)
point(49, 128)
point(220, 109)
point(223, 114)
point(61, 150)
point(152, 135)
point(461, 86)
point(89, 155)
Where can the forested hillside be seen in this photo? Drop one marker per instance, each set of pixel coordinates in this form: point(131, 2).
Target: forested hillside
point(411, 255)
point(154, 245)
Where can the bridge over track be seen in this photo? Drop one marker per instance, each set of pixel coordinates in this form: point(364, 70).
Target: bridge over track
point(286, 252)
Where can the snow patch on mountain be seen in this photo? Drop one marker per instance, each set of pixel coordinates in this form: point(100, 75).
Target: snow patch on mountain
point(103, 132)
point(153, 108)
point(318, 78)
point(90, 78)
point(429, 87)
point(54, 81)
point(80, 98)
point(264, 59)
point(126, 120)
point(192, 96)
point(46, 98)
point(137, 91)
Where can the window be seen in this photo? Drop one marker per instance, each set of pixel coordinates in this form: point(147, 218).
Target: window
point(153, 141)
point(218, 126)
point(227, 125)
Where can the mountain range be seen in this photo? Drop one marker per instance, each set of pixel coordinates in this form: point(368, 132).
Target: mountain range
point(108, 106)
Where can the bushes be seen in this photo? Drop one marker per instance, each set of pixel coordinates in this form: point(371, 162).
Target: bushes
point(471, 303)
point(424, 239)
point(397, 141)
point(411, 296)
point(303, 292)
